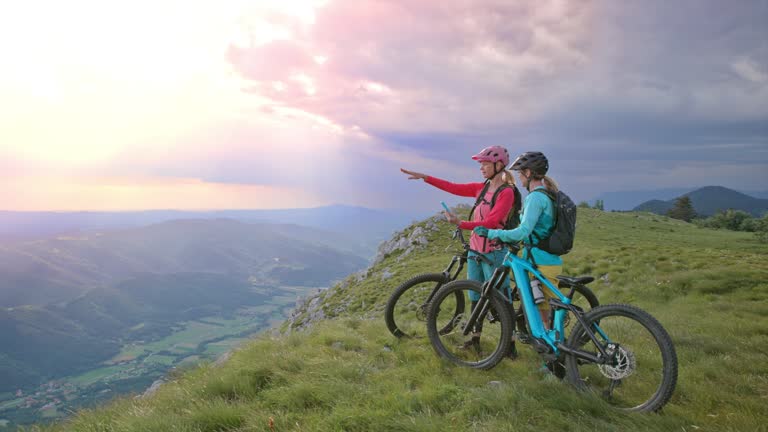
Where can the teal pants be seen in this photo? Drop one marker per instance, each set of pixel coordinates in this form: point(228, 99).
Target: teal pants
point(482, 271)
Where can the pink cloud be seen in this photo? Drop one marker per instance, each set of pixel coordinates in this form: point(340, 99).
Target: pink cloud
point(445, 65)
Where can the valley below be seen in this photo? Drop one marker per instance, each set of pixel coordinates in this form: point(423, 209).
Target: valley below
point(143, 361)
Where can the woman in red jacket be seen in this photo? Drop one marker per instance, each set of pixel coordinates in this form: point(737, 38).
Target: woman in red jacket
point(493, 161)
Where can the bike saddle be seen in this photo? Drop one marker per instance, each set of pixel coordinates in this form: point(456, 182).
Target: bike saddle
point(575, 280)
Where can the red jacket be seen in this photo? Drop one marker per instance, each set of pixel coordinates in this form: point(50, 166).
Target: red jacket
point(483, 216)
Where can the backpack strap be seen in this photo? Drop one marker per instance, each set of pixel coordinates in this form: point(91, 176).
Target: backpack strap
point(493, 200)
point(480, 198)
point(517, 205)
point(552, 197)
point(496, 193)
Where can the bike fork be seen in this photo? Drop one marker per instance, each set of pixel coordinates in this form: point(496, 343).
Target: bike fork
point(483, 304)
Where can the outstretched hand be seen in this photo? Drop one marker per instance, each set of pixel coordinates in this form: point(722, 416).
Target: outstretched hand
point(481, 231)
point(452, 218)
point(413, 175)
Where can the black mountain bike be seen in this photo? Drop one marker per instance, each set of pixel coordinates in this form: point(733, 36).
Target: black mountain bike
point(406, 309)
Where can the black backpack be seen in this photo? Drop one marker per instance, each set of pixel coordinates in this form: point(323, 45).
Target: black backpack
point(513, 218)
point(560, 239)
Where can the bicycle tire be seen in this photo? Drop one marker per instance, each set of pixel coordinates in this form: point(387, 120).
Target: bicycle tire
point(401, 312)
point(446, 331)
point(646, 371)
point(588, 295)
point(582, 297)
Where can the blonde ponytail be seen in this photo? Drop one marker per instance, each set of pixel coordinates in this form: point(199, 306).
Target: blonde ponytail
point(550, 184)
point(507, 178)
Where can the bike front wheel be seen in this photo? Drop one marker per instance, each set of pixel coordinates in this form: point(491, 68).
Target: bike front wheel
point(487, 342)
point(641, 371)
point(406, 309)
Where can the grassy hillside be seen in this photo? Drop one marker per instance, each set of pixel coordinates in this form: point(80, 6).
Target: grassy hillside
point(708, 288)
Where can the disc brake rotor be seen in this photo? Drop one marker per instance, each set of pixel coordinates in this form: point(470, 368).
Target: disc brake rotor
point(421, 313)
point(624, 363)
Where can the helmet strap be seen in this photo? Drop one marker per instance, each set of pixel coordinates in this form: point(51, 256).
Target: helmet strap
point(527, 180)
point(495, 171)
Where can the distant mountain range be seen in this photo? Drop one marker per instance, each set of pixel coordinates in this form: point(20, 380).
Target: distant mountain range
point(368, 225)
point(60, 268)
point(628, 200)
point(709, 200)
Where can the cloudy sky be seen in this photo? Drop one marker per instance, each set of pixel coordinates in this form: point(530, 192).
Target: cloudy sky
point(108, 105)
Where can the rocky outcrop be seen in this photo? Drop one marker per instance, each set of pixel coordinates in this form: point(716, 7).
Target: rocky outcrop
point(407, 240)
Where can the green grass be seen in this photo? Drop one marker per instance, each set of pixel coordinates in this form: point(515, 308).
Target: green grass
point(217, 348)
point(708, 288)
point(160, 359)
point(11, 404)
point(196, 332)
point(95, 375)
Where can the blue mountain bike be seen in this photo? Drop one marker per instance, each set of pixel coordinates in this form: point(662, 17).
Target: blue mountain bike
point(616, 351)
point(405, 312)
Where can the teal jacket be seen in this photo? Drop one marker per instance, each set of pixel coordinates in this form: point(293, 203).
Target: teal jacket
point(538, 217)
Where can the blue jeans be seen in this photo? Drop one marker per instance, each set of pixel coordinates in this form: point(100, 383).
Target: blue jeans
point(482, 271)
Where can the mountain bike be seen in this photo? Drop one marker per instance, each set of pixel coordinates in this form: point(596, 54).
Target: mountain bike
point(617, 351)
point(405, 312)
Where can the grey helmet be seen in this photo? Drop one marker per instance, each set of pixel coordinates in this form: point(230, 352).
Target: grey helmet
point(534, 161)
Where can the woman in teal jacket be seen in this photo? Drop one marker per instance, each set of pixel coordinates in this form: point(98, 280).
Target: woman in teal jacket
point(536, 221)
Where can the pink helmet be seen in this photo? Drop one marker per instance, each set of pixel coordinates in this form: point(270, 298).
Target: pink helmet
point(493, 154)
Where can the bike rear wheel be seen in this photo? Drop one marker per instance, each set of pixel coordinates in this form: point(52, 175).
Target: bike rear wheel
point(445, 327)
point(405, 312)
point(582, 297)
point(642, 373)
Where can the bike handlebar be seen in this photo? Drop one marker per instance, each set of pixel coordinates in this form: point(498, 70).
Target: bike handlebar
point(513, 246)
point(460, 234)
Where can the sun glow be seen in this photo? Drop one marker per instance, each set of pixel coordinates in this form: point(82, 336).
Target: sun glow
point(92, 84)
point(126, 194)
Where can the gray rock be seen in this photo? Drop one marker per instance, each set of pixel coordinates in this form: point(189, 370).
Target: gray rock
point(386, 274)
point(151, 390)
point(405, 242)
point(222, 359)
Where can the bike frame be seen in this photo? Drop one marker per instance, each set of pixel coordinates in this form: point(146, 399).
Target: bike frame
point(553, 338)
point(520, 269)
point(463, 258)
